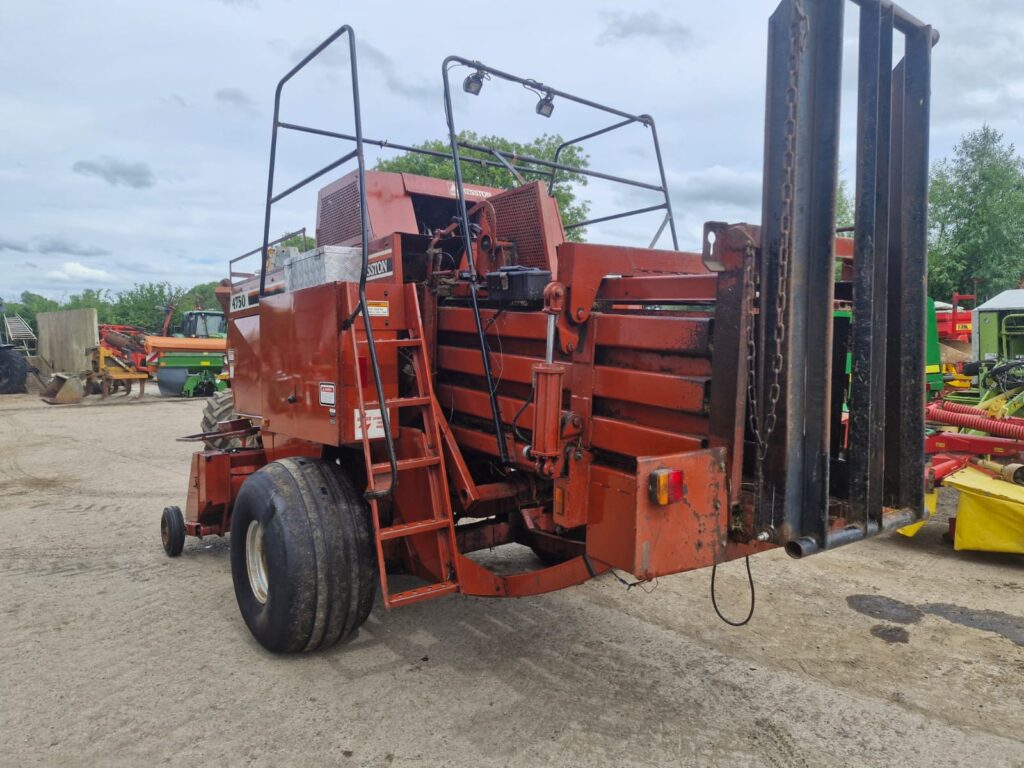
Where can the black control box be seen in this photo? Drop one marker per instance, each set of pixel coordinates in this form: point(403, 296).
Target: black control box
point(517, 284)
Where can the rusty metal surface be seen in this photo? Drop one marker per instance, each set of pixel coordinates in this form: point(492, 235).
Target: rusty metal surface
point(628, 531)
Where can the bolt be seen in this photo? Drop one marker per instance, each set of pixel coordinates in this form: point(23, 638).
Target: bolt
point(764, 536)
point(570, 347)
point(579, 312)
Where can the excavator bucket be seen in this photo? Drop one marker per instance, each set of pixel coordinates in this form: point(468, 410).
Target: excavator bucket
point(64, 389)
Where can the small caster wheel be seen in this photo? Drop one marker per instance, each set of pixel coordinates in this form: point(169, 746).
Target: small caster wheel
point(172, 531)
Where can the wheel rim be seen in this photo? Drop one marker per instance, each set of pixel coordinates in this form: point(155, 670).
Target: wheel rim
point(165, 535)
point(256, 561)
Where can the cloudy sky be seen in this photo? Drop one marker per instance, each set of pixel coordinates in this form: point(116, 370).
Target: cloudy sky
point(134, 134)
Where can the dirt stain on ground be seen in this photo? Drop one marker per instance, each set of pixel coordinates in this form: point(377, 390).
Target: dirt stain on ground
point(890, 633)
point(1009, 626)
point(880, 607)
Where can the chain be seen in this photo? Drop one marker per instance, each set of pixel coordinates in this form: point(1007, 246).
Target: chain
point(750, 283)
point(763, 430)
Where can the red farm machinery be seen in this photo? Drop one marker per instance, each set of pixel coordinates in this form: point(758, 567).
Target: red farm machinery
point(447, 373)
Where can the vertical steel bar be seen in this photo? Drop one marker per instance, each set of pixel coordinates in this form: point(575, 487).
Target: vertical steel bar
point(864, 409)
point(467, 242)
point(914, 238)
point(772, 487)
point(813, 272)
point(664, 184)
point(880, 300)
point(389, 443)
point(894, 305)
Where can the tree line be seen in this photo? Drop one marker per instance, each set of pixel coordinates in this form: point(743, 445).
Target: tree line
point(143, 305)
point(975, 211)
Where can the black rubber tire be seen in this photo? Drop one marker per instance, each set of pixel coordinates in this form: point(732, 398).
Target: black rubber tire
point(219, 407)
point(319, 554)
point(170, 381)
point(172, 531)
point(13, 371)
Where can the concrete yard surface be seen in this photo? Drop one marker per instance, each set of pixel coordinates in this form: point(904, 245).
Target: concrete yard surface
point(894, 652)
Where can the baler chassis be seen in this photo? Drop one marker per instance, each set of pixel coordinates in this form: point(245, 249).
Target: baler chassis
point(478, 380)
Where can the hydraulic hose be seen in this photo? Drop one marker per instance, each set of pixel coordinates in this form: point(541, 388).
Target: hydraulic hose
point(998, 427)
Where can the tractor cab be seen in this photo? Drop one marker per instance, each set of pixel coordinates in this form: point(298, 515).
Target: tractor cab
point(202, 324)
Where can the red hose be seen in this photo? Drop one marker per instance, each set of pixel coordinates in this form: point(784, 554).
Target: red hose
point(946, 405)
point(997, 427)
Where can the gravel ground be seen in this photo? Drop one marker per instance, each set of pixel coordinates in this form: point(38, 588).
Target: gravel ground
point(892, 652)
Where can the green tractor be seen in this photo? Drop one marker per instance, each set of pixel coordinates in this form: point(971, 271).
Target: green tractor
point(191, 360)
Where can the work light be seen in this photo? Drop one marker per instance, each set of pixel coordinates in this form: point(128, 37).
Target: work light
point(546, 105)
point(473, 83)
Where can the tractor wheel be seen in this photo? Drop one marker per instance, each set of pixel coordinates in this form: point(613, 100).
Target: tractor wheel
point(172, 531)
point(302, 555)
point(219, 407)
point(13, 371)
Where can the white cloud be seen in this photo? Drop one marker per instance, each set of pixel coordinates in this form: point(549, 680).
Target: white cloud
point(160, 179)
point(73, 271)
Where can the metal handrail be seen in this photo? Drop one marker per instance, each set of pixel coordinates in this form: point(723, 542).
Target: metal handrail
point(254, 251)
point(555, 166)
point(358, 155)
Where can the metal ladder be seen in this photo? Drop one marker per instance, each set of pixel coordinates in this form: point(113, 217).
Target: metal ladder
point(432, 535)
point(19, 333)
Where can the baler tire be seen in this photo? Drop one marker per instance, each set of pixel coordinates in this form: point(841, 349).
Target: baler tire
point(219, 407)
point(172, 531)
point(13, 371)
point(306, 577)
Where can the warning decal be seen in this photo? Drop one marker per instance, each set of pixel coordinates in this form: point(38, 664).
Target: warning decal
point(374, 424)
point(328, 393)
point(378, 308)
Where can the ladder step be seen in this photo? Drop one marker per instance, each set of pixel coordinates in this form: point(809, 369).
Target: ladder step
point(411, 529)
point(404, 464)
point(422, 593)
point(391, 342)
point(402, 402)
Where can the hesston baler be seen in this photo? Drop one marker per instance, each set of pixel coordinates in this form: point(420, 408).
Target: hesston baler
point(462, 377)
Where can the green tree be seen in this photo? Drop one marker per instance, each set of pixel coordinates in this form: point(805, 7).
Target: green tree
point(302, 242)
point(144, 304)
point(976, 216)
point(844, 208)
point(202, 296)
point(543, 148)
point(30, 305)
point(91, 298)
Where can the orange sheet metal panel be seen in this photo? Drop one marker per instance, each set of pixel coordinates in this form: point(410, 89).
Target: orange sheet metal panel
point(244, 360)
point(679, 335)
point(517, 368)
point(679, 393)
point(629, 531)
point(388, 306)
point(299, 342)
point(520, 325)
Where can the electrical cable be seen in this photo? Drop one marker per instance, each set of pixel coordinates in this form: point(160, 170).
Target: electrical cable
point(515, 420)
point(1006, 375)
point(714, 601)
